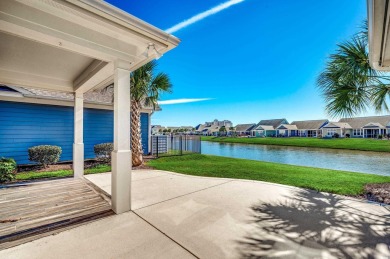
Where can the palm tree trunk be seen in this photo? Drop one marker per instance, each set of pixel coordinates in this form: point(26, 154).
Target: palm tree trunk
point(136, 143)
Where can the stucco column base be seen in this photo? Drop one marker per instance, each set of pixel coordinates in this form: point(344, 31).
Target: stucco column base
point(121, 181)
point(78, 160)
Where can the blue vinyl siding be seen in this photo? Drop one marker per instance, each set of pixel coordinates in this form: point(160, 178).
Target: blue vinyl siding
point(98, 128)
point(23, 125)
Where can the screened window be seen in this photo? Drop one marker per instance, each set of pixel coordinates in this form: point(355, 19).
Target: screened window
point(358, 132)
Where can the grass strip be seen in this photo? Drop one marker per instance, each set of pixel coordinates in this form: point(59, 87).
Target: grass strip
point(333, 181)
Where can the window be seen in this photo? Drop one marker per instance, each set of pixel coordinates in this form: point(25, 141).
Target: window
point(331, 132)
point(358, 132)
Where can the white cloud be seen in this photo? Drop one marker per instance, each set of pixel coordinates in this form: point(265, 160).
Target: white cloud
point(203, 15)
point(184, 100)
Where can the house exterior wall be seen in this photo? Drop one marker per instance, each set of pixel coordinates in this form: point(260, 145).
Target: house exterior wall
point(263, 133)
point(23, 125)
point(329, 132)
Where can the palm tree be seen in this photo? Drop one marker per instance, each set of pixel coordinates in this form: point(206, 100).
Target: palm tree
point(349, 84)
point(222, 131)
point(146, 87)
point(145, 90)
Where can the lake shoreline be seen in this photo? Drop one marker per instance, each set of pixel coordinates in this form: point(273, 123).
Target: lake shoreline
point(359, 144)
point(324, 180)
point(335, 159)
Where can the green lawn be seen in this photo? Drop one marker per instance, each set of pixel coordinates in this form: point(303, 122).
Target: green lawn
point(340, 182)
point(341, 143)
point(60, 173)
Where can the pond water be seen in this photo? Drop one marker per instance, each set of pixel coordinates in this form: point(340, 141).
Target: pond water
point(346, 160)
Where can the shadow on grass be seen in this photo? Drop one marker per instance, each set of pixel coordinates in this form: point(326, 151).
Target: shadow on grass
point(316, 226)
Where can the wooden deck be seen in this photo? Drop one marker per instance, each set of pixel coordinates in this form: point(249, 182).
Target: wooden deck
point(32, 210)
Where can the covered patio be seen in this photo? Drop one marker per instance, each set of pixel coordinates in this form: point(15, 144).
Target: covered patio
point(76, 46)
point(182, 216)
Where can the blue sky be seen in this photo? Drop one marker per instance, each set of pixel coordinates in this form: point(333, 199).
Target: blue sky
point(256, 59)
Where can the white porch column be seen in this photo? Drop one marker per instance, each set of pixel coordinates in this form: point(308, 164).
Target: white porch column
point(78, 143)
point(121, 156)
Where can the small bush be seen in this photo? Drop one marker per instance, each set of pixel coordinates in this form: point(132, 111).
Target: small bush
point(103, 151)
point(7, 169)
point(336, 135)
point(44, 154)
point(347, 135)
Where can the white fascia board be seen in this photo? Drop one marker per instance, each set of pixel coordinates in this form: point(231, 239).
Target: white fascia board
point(378, 25)
point(121, 17)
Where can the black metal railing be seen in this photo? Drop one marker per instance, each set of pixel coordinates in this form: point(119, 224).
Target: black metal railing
point(175, 145)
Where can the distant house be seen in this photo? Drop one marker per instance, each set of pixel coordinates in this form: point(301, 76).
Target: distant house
point(244, 129)
point(267, 128)
point(212, 130)
point(216, 122)
point(156, 129)
point(287, 130)
point(199, 129)
point(309, 128)
point(341, 128)
point(367, 127)
point(186, 130)
point(213, 127)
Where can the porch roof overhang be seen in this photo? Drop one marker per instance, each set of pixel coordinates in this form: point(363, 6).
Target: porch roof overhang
point(373, 126)
point(378, 34)
point(71, 45)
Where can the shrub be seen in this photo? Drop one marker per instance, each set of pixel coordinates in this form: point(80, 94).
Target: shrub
point(380, 137)
point(347, 135)
point(44, 154)
point(336, 135)
point(7, 169)
point(103, 151)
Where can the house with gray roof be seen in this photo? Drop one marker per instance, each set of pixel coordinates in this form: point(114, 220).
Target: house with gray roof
point(341, 128)
point(212, 130)
point(360, 127)
point(286, 130)
point(244, 129)
point(267, 128)
point(308, 128)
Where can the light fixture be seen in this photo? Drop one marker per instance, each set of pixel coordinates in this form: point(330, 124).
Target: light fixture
point(150, 50)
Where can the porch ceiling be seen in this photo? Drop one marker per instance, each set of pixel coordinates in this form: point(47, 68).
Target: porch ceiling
point(22, 59)
point(71, 45)
point(378, 34)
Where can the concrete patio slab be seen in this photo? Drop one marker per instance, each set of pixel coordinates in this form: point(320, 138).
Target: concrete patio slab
point(120, 236)
point(254, 219)
point(226, 218)
point(151, 187)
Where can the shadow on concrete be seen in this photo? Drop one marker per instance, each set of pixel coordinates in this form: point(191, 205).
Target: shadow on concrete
point(316, 225)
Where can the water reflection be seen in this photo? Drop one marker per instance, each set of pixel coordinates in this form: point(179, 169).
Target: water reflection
point(347, 160)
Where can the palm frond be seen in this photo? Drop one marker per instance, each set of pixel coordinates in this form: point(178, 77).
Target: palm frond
point(346, 83)
point(147, 87)
point(380, 97)
point(363, 33)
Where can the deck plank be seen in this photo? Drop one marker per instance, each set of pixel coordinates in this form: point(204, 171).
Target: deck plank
point(38, 207)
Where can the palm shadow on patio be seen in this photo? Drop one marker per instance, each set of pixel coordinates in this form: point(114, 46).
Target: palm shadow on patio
point(316, 225)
